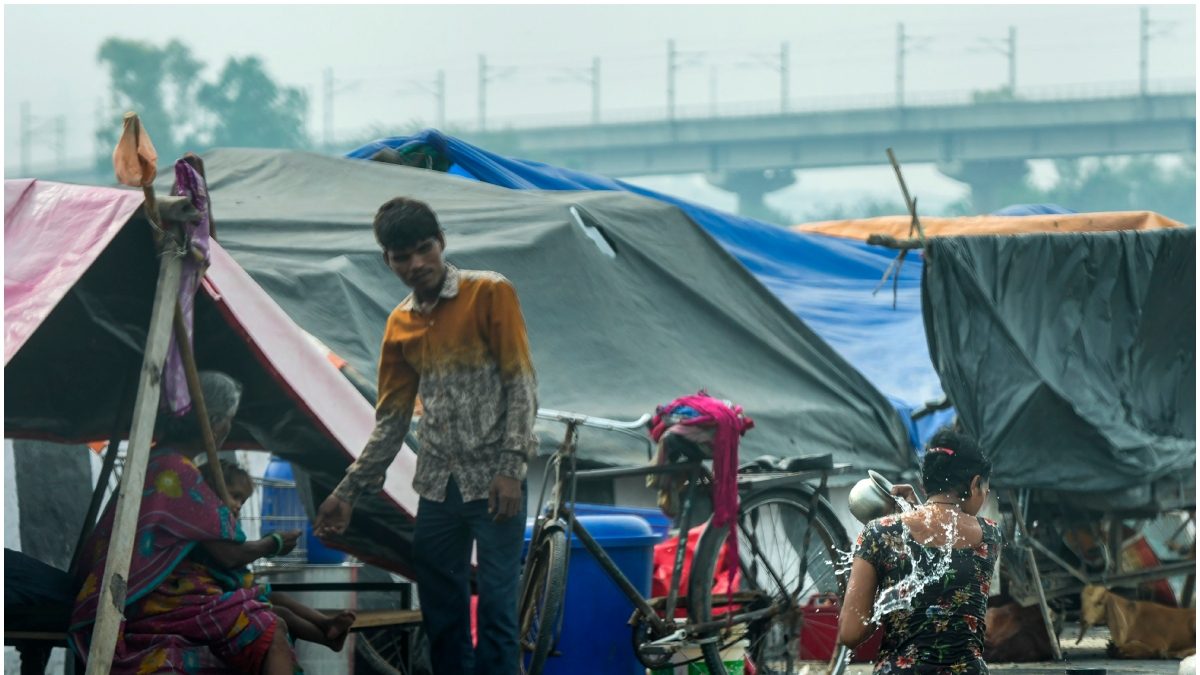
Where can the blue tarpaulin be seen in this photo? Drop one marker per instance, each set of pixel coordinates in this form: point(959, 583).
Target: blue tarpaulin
point(829, 283)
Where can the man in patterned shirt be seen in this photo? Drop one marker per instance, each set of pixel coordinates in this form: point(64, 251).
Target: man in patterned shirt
point(459, 343)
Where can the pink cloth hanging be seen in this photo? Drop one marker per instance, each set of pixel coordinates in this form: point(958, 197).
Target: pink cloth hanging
point(730, 425)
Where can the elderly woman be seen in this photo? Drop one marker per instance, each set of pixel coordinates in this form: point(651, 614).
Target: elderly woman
point(924, 574)
point(181, 614)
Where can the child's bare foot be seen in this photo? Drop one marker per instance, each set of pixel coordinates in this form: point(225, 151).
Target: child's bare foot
point(337, 628)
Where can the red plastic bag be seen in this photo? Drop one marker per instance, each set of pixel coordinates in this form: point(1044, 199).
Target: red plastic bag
point(818, 638)
point(664, 563)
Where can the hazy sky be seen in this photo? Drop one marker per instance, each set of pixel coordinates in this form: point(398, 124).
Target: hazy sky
point(378, 52)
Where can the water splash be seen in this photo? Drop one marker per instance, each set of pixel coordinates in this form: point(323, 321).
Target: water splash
point(931, 563)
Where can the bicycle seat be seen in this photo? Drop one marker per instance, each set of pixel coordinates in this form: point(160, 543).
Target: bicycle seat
point(761, 464)
point(773, 464)
point(807, 463)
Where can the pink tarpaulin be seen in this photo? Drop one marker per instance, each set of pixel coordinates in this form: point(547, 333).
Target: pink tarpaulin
point(302, 369)
point(54, 232)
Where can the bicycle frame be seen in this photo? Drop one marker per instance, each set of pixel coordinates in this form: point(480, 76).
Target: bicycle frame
point(560, 514)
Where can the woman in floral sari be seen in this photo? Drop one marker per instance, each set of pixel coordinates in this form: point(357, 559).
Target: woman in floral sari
point(181, 614)
point(925, 574)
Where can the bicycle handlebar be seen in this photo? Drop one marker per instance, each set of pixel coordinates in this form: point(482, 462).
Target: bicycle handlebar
point(594, 422)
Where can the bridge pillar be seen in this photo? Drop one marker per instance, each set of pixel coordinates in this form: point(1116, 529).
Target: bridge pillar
point(752, 187)
point(994, 183)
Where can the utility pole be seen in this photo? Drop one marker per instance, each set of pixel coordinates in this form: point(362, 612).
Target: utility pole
point(482, 94)
point(438, 90)
point(671, 79)
point(1147, 33)
point(780, 63)
point(784, 75)
point(712, 91)
point(905, 45)
point(1008, 49)
point(487, 75)
point(589, 76)
point(26, 139)
point(327, 136)
point(1012, 60)
point(674, 63)
point(331, 89)
point(60, 141)
point(595, 90)
point(441, 100)
point(1144, 51)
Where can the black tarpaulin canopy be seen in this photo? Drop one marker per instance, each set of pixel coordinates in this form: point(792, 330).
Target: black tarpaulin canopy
point(629, 303)
point(1071, 356)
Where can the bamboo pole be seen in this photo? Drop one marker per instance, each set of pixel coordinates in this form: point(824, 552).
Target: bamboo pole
point(201, 409)
point(164, 316)
point(110, 609)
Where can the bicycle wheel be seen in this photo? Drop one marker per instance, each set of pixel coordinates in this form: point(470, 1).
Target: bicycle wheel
point(543, 584)
point(771, 534)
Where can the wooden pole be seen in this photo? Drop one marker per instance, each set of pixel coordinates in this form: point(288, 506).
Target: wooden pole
point(201, 409)
point(909, 202)
point(184, 208)
point(110, 609)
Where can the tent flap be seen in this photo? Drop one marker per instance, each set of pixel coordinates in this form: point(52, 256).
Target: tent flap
point(1073, 356)
point(614, 332)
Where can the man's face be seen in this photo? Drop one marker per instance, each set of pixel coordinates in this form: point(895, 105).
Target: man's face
point(419, 266)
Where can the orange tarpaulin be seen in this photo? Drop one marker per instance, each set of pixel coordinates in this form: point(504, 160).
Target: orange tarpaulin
point(897, 226)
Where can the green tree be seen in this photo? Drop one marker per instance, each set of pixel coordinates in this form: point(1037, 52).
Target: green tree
point(156, 82)
point(249, 109)
point(182, 112)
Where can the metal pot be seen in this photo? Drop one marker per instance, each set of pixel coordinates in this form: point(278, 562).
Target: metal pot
point(871, 498)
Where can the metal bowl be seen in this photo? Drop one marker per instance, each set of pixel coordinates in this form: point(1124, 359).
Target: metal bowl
point(871, 498)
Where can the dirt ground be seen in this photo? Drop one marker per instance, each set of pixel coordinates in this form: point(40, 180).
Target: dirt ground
point(1088, 654)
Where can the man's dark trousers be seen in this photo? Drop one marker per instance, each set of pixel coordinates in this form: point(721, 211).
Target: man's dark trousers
point(442, 555)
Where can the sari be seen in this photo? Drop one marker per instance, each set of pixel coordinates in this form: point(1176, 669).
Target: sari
point(183, 613)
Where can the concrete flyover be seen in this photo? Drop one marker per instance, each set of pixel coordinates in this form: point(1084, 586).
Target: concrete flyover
point(942, 134)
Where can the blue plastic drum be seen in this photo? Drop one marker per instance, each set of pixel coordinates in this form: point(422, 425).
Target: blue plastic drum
point(595, 630)
point(282, 510)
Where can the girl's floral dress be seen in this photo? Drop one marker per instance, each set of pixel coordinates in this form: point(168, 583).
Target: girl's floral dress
point(944, 630)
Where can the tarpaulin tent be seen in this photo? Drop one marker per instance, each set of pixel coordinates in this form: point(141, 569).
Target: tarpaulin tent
point(898, 226)
point(889, 344)
point(828, 282)
point(1071, 356)
point(80, 276)
point(825, 282)
point(629, 304)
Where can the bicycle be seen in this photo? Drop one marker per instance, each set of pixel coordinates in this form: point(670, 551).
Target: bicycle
point(780, 516)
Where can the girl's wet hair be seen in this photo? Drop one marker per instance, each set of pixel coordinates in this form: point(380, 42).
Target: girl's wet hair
point(952, 459)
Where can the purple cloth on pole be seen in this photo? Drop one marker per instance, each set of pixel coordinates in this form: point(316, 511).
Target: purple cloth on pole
point(188, 183)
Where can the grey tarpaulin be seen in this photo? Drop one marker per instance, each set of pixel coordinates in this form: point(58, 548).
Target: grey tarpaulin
point(1071, 356)
point(668, 313)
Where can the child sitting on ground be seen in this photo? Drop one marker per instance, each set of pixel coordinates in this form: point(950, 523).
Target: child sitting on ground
point(303, 622)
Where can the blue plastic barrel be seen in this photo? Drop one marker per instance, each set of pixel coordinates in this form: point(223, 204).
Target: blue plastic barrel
point(659, 522)
point(282, 510)
point(595, 631)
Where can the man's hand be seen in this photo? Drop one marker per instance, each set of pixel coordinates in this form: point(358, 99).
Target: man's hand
point(504, 498)
point(333, 517)
point(905, 491)
point(290, 539)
